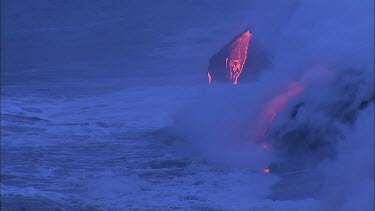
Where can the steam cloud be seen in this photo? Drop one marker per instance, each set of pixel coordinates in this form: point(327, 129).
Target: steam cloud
point(301, 36)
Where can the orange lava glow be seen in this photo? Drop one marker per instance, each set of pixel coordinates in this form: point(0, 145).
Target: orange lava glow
point(267, 170)
point(237, 56)
point(209, 78)
point(266, 146)
point(278, 103)
point(275, 106)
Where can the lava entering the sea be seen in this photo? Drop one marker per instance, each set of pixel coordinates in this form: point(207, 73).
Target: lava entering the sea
point(277, 104)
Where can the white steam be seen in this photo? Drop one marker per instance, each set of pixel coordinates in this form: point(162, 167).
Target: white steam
point(299, 35)
point(349, 180)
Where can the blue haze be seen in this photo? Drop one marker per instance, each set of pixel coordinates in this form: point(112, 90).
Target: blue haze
point(105, 105)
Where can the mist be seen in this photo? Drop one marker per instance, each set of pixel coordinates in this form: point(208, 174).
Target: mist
point(106, 106)
point(330, 47)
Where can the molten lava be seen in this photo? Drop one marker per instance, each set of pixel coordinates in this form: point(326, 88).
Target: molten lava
point(266, 146)
point(237, 56)
point(234, 55)
point(275, 106)
point(278, 103)
point(209, 78)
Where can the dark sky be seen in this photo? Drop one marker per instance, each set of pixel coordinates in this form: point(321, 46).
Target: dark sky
point(66, 39)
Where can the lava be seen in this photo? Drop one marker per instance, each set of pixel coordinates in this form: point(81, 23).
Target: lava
point(266, 146)
point(209, 78)
point(275, 106)
point(238, 55)
point(234, 55)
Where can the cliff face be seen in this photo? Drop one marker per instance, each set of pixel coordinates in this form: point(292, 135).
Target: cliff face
point(234, 61)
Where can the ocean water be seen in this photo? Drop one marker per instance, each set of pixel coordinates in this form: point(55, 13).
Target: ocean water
point(112, 151)
point(92, 94)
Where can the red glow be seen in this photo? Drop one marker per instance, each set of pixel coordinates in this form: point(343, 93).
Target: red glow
point(267, 170)
point(278, 103)
point(275, 106)
point(237, 56)
point(209, 78)
point(266, 146)
point(228, 64)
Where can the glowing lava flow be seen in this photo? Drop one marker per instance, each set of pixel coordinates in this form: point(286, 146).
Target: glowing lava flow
point(237, 56)
point(228, 64)
point(209, 78)
point(278, 103)
point(267, 170)
point(271, 111)
point(275, 106)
